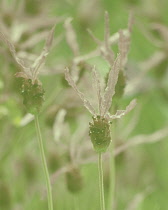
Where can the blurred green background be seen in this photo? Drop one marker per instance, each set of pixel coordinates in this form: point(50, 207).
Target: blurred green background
point(141, 171)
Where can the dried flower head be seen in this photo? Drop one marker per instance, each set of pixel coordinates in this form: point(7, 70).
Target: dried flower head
point(32, 71)
point(32, 90)
point(100, 127)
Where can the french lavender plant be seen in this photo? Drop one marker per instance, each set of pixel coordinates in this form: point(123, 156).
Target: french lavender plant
point(33, 94)
point(99, 128)
point(104, 47)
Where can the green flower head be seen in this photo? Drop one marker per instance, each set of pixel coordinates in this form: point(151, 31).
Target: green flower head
point(31, 89)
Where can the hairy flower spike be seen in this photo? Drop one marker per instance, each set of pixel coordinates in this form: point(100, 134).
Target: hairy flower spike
point(32, 90)
point(32, 71)
point(33, 95)
point(99, 132)
point(110, 88)
point(98, 88)
point(100, 127)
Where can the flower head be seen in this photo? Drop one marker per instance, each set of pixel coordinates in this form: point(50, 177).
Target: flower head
point(32, 90)
point(100, 127)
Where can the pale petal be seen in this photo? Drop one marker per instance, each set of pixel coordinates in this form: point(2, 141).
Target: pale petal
point(107, 54)
point(81, 95)
point(106, 50)
point(106, 30)
point(97, 85)
point(29, 43)
point(11, 47)
point(124, 44)
point(130, 21)
point(41, 59)
point(94, 38)
point(71, 37)
point(121, 113)
point(110, 88)
point(124, 41)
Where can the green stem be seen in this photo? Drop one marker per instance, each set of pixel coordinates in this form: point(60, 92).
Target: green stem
point(40, 141)
point(112, 167)
point(75, 199)
point(101, 185)
point(112, 179)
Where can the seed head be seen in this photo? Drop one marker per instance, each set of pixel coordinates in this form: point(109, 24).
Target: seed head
point(33, 95)
point(99, 132)
point(100, 127)
point(31, 90)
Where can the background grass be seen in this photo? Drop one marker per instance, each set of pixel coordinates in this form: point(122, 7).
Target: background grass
point(140, 171)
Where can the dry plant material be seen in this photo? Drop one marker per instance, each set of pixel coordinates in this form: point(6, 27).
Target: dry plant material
point(101, 118)
point(32, 90)
point(100, 127)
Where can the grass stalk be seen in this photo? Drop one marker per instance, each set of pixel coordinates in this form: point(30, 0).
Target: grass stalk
point(112, 179)
point(44, 163)
point(101, 185)
point(75, 199)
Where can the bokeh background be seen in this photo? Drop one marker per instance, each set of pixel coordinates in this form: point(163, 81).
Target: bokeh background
point(141, 167)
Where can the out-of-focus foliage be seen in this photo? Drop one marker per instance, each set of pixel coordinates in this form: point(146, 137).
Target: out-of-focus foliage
point(141, 169)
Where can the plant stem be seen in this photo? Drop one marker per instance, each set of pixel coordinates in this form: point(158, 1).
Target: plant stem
point(44, 163)
point(112, 179)
point(75, 199)
point(101, 185)
point(112, 168)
